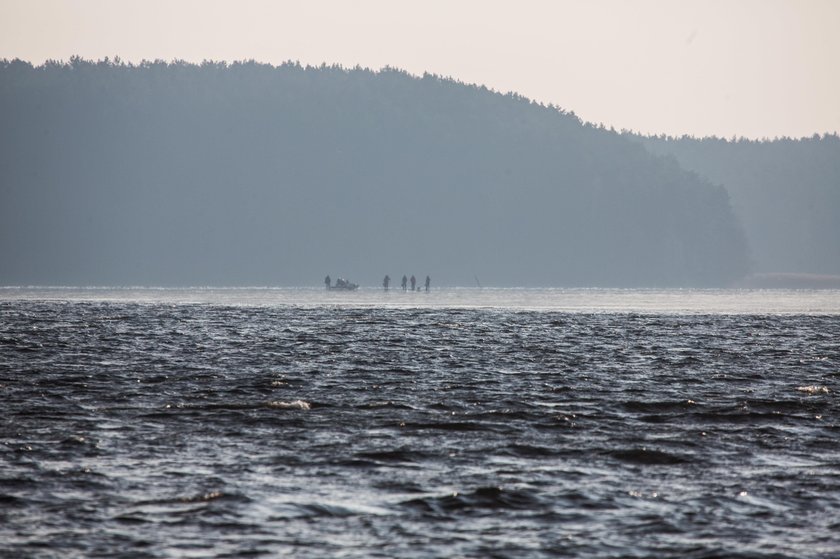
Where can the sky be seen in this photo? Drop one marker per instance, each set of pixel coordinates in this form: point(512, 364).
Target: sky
point(746, 68)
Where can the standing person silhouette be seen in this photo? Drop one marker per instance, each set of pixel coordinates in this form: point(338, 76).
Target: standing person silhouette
point(386, 282)
point(413, 283)
point(328, 282)
point(428, 283)
point(404, 282)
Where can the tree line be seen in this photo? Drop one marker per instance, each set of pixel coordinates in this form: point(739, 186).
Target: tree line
point(252, 174)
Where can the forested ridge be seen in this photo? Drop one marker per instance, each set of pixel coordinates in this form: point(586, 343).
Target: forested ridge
point(251, 174)
point(785, 191)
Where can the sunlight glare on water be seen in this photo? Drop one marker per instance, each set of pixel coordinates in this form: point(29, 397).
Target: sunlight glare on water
point(647, 301)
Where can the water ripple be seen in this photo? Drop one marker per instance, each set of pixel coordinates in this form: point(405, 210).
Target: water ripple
point(174, 429)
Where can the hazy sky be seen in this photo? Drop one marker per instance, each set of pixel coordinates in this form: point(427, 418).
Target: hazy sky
point(751, 68)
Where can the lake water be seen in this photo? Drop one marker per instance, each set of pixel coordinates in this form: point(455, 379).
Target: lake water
point(458, 423)
point(662, 301)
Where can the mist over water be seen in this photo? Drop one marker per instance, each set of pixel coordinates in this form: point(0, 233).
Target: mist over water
point(464, 422)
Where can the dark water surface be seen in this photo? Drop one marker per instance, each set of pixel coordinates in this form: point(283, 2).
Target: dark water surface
point(193, 430)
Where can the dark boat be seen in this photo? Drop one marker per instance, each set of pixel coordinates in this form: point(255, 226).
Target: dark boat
point(342, 284)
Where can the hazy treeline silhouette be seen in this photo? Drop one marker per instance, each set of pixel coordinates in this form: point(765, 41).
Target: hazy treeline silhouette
point(786, 193)
point(232, 174)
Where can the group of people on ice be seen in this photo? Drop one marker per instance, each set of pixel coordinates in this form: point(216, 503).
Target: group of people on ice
point(386, 283)
point(343, 284)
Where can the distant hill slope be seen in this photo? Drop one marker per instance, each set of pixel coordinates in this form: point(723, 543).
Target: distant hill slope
point(786, 193)
point(175, 174)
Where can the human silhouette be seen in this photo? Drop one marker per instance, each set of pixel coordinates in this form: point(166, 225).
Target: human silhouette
point(413, 283)
point(328, 282)
point(404, 282)
point(386, 282)
point(428, 283)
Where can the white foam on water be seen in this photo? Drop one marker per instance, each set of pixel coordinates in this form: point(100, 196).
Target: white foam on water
point(293, 405)
point(813, 389)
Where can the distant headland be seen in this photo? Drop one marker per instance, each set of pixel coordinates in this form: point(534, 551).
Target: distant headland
point(250, 174)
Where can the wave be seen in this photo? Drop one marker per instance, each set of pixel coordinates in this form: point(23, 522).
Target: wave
point(479, 501)
point(649, 457)
point(293, 405)
point(813, 390)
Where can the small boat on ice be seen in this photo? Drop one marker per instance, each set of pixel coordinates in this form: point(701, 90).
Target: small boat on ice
point(342, 284)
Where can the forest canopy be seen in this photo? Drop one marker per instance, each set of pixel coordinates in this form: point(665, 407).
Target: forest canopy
point(251, 174)
point(785, 191)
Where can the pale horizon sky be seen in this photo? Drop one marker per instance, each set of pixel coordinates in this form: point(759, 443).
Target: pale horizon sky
point(751, 68)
